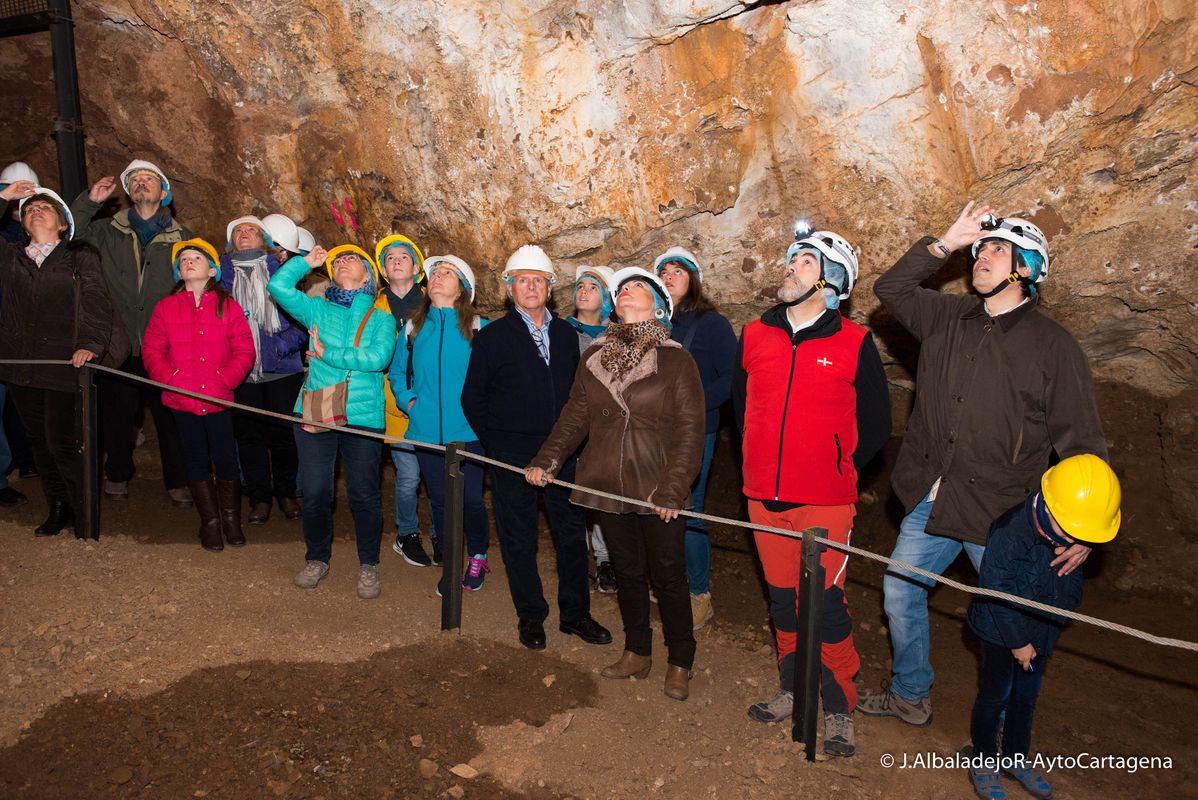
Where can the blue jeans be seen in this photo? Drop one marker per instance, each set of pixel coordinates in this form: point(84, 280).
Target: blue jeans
point(407, 482)
point(698, 543)
point(1005, 689)
point(360, 462)
point(5, 451)
point(905, 599)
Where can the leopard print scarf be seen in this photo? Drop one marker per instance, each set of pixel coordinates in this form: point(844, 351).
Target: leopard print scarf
point(626, 344)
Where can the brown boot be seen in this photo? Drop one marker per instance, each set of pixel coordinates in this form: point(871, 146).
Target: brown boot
point(229, 495)
point(259, 514)
point(290, 507)
point(630, 665)
point(204, 496)
point(678, 681)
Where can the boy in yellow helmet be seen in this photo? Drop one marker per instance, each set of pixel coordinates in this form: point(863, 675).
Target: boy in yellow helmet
point(1078, 501)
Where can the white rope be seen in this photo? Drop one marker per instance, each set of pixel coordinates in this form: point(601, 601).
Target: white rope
point(857, 551)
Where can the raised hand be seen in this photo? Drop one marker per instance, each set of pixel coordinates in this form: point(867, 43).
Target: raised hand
point(102, 189)
point(967, 229)
point(316, 256)
point(17, 190)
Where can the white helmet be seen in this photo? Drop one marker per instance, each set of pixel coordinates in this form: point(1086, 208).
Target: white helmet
point(66, 210)
point(662, 299)
point(530, 257)
point(682, 255)
point(137, 165)
point(1020, 233)
point(834, 248)
point(604, 274)
point(246, 220)
point(459, 266)
point(18, 171)
point(305, 240)
point(283, 231)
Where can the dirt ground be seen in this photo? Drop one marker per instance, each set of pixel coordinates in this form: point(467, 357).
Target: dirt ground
point(142, 666)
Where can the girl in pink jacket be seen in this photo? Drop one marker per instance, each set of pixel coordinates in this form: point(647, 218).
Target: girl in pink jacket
point(198, 339)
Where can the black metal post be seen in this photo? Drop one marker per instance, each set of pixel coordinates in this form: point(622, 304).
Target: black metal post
point(68, 125)
point(87, 525)
point(452, 543)
point(807, 649)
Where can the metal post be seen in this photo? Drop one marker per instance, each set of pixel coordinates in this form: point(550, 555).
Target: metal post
point(451, 538)
point(807, 654)
point(68, 125)
point(87, 524)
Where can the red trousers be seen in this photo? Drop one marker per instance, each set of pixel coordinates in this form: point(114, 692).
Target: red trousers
point(781, 560)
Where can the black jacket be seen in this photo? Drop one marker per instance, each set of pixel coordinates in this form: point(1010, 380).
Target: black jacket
point(1017, 562)
point(511, 397)
point(994, 397)
point(38, 319)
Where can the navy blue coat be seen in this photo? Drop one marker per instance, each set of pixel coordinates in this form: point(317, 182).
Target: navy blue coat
point(282, 354)
point(708, 337)
point(1016, 562)
point(511, 397)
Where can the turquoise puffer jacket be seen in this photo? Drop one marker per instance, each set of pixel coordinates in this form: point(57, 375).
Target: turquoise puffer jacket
point(364, 365)
point(440, 356)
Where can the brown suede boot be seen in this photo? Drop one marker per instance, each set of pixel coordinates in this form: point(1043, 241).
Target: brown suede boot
point(630, 665)
point(229, 495)
point(678, 681)
point(204, 496)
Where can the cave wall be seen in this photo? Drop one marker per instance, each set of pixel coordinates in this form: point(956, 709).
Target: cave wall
point(610, 130)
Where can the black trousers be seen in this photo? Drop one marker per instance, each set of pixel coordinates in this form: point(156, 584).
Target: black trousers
point(52, 425)
point(266, 446)
point(516, 515)
point(208, 445)
point(644, 549)
point(120, 400)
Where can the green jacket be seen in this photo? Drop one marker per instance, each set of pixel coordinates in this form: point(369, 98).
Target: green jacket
point(365, 366)
point(136, 280)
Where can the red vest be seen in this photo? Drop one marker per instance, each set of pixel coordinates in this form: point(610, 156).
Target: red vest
point(801, 415)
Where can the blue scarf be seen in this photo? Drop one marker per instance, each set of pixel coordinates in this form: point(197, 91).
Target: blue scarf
point(147, 229)
point(345, 297)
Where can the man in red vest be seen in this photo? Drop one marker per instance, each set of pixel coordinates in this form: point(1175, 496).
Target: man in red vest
point(813, 406)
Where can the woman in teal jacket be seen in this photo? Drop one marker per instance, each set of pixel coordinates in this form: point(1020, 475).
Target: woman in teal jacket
point(350, 341)
point(427, 375)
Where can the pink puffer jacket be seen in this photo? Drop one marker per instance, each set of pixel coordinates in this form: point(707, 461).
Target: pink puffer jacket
point(189, 346)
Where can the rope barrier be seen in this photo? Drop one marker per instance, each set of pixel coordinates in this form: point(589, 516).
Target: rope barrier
point(1164, 641)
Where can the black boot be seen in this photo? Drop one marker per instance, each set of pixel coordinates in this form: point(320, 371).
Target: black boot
point(228, 494)
point(204, 496)
point(61, 516)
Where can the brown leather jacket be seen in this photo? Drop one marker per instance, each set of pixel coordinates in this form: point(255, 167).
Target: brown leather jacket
point(645, 431)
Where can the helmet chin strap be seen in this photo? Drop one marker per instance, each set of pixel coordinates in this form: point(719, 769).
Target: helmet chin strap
point(817, 286)
point(1012, 277)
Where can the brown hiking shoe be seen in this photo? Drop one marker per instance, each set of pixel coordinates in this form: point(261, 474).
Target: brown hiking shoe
point(888, 704)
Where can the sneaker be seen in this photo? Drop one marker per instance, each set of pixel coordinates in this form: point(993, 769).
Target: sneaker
point(368, 581)
point(701, 610)
point(117, 490)
point(437, 554)
point(888, 704)
point(311, 574)
point(11, 497)
point(605, 578)
point(180, 496)
point(476, 572)
point(838, 735)
point(986, 784)
point(412, 551)
point(778, 708)
point(1031, 780)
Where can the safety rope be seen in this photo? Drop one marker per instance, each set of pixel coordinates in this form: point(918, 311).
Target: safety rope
point(857, 551)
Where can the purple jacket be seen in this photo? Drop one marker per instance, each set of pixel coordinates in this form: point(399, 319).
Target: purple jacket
point(282, 353)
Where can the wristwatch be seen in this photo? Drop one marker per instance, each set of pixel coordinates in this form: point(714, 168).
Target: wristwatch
point(940, 246)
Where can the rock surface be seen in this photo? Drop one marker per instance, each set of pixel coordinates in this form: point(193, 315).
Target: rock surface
point(612, 132)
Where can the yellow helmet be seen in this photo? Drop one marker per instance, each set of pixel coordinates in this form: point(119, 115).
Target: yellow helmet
point(1083, 495)
point(380, 253)
point(341, 250)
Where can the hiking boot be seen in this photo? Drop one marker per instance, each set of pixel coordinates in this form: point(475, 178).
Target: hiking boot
point(368, 581)
point(605, 578)
point(311, 574)
point(180, 497)
point(412, 551)
point(117, 490)
point(888, 704)
point(476, 573)
point(778, 708)
point(701, 610)
point(1031, 780)
point(838, 735)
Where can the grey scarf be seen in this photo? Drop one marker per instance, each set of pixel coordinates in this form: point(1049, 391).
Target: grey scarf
point(250, 276)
